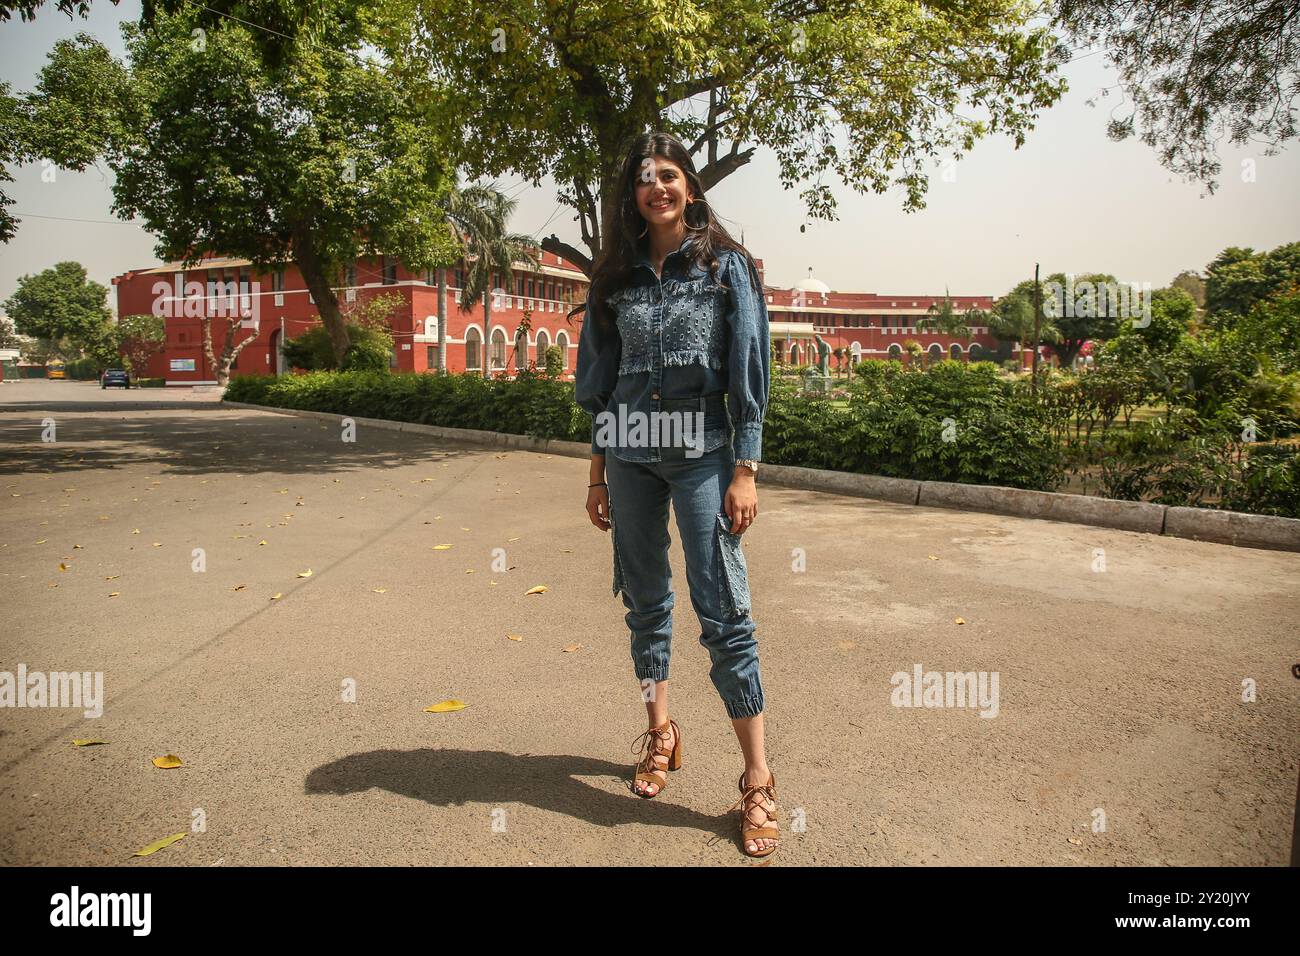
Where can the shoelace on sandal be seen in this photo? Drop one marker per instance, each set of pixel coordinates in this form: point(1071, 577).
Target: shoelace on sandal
point(768, 791)
point(645, 760)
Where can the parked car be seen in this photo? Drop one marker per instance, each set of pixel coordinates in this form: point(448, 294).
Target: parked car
point(115, 376)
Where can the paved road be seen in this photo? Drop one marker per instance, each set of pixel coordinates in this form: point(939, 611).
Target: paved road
point(1120, 690)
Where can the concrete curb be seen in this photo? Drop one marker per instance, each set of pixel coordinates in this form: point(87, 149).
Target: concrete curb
point(1050, 505)
point(1234, 527)
point(1202, 524)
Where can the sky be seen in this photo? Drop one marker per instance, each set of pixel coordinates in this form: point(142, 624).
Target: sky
point(1069, 199)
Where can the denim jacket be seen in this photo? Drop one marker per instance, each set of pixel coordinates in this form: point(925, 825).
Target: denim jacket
point(681, 336)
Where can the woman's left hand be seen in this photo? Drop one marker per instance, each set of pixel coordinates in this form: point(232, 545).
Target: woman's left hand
point(741, 503)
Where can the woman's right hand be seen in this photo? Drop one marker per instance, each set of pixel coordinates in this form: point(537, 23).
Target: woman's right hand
point(598, 506)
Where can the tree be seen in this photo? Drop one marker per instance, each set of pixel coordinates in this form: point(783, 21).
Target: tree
point(140, 337)
point(1191, 283)
point(1082, 309)
point(942, 317)
point(480, 217)
point(61, 305)
point(69, 131)
point(1196, 70)
point(319, 160)
point(1012, 319)
point(1238, 278)
point(872, 91)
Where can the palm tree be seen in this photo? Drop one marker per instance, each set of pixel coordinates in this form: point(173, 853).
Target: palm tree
point(1012, 319)
point(478, 217)
point(944, 318)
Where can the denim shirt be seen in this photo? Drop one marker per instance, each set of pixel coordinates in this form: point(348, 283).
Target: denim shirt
point(681, 336)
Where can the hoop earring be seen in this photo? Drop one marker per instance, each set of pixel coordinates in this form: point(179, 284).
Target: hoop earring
point(643, 231)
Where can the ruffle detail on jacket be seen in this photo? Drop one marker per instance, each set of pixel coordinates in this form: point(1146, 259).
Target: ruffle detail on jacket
point(644, 363)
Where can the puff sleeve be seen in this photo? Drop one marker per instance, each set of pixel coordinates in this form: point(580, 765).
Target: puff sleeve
point(749, 359)
point(596, 373)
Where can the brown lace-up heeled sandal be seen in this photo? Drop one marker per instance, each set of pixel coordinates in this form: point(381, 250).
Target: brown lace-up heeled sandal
point(751, 798)
point(657, 756)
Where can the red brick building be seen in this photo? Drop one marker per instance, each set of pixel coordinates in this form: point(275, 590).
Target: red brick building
point(278, 307)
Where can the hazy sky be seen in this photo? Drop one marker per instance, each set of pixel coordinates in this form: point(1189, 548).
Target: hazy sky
point(1070, 199)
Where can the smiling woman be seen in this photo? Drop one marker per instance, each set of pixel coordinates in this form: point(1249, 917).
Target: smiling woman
point(676, 322)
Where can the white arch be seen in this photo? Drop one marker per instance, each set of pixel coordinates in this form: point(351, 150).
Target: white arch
point(474, 338)
point(562, 340)
point(543, 342)
point(895, 351)
point(955, 350)
point(431, 326)
point(497, 356)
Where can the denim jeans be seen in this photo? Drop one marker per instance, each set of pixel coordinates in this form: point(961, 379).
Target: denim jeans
point(639, 493)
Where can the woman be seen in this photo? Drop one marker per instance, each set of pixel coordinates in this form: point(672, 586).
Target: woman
point(675, 320)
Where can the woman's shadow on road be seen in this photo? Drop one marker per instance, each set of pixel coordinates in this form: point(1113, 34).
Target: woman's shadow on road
point(493, 778)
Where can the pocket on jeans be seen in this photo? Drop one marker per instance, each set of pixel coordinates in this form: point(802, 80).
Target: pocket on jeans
point(618, 565)
point(733, 581)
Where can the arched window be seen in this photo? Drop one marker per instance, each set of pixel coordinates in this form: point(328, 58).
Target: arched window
point(896, 351)
point(935, 351)
point(543, 341)
point(562, 340)
point(954, 352)
point(521, 351)
point(498, 358)
point(473, 340)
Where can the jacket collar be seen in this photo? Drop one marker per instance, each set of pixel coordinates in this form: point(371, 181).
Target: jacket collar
point(643, 259)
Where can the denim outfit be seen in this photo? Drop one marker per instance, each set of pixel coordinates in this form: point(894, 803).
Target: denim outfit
point(682, 343)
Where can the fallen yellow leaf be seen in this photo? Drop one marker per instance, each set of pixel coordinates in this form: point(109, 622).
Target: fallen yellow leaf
point(960, 621)
point(445, 707)
point(440, 547)
point(380, 590)
point(114, 593)
point(571, 648)
point(159, 844)
point(276, 596)
point(305, 574)
point(515, 637)
point(169, 762)
point(537, 590)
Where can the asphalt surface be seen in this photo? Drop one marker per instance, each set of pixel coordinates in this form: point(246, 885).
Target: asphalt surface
point(1120, 735)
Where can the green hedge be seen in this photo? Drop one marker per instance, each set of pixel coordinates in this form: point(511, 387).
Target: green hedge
point(531, 404)
point(950, 422)
point(894, 424)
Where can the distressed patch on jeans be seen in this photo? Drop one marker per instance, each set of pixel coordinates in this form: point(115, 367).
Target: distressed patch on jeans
point(733, 583)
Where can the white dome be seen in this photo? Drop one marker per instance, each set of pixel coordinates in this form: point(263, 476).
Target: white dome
point(810, 284)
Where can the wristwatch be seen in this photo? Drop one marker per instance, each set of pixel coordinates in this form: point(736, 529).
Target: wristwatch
point(748, 462)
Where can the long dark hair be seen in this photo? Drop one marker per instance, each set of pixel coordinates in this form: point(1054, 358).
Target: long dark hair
point(621, 245)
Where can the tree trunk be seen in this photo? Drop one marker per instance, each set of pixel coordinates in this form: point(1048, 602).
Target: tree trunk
point(487, 334)
point(327, 303)
point(442, 321)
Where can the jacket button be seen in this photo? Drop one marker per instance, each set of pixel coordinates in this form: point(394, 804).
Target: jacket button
point(655, 395)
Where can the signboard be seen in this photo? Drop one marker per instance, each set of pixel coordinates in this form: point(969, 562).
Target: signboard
point(182, 365)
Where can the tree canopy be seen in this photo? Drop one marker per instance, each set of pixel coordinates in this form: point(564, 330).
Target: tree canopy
point(872, 91)
point(1196, 71)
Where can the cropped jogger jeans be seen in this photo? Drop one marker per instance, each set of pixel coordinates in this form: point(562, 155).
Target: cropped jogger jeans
point(639, 493)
